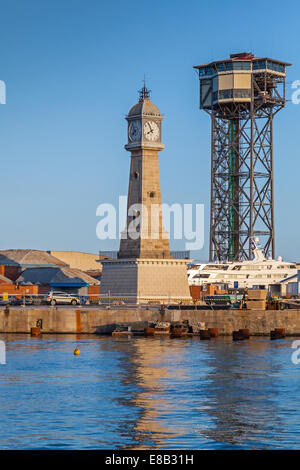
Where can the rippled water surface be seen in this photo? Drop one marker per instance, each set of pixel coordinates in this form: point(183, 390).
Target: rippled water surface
point(148, 393)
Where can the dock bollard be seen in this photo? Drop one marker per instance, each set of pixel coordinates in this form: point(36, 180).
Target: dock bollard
point(278, 333)
point(238, 336)
point(35, 331)
point(241, 334)
point(204, 334)
point(245, 332)
point(214, 332)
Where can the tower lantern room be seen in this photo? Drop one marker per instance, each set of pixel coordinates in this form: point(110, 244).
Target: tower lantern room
point(229, 82)
point(242, 94)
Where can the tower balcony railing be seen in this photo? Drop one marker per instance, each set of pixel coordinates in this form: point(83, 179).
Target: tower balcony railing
point(113, 254)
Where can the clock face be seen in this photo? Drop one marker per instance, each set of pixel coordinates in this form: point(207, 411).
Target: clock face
point(151, 130)
point(135, 131)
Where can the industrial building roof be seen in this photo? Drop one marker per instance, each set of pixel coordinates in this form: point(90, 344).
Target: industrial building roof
point(28, 258)
point(237, 57)
point(79, 260)
point(56, 275)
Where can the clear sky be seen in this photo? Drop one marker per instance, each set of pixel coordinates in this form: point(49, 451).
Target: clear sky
point(72, 70)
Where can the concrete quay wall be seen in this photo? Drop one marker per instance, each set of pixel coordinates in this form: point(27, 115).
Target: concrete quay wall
point(103, 321)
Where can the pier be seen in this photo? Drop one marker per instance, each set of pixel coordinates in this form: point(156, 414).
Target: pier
point(102, 320)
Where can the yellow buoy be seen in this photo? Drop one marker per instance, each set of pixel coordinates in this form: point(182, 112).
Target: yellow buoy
point(76, 352)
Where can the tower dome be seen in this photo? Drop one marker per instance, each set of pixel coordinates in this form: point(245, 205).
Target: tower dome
point(144, 107)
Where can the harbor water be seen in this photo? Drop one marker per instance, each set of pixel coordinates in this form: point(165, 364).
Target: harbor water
point(148, 393)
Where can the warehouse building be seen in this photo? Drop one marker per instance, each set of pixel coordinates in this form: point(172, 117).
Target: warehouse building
point(13, 262)
point(60, 278)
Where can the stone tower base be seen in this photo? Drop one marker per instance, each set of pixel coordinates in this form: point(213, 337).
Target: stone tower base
point(143, 280)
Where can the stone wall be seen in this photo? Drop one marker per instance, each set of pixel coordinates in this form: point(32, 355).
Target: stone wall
point(97, 320)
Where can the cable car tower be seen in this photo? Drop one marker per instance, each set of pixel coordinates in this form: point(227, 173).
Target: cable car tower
point(242, 94)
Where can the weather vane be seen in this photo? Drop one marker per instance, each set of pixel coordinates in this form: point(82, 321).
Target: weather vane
point(144, 92)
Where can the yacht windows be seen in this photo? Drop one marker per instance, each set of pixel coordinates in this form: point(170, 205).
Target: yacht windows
point(217, 266)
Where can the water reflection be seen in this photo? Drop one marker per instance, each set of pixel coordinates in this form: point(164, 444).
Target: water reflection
point(147, 393)
point(241, 394)
point(217, 395)
point(151, 363)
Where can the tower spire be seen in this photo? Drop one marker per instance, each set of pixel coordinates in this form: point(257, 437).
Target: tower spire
point(144, 92)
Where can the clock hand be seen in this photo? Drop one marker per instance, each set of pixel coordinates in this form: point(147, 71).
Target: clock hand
point(150, 129)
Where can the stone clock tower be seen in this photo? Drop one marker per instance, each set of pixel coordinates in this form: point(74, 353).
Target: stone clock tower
point(145, 270)
point(144, 236)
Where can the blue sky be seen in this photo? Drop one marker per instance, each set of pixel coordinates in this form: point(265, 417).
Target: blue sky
point(72, 70)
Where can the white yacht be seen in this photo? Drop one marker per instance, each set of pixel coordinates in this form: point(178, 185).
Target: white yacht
point(259, 272)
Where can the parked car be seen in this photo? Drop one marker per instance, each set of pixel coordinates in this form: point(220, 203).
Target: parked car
point(25, 300)
point(54, 298)
point(223, 300)
point(33, 300)
point(15, 300)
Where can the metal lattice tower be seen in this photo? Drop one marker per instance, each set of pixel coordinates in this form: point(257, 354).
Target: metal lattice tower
point(242, 94)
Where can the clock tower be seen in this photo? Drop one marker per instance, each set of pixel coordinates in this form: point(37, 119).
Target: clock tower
point(144, 270)
point(144, 236)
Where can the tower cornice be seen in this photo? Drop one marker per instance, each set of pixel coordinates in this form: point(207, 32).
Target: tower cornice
point(154, 117)
point(144, 146)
